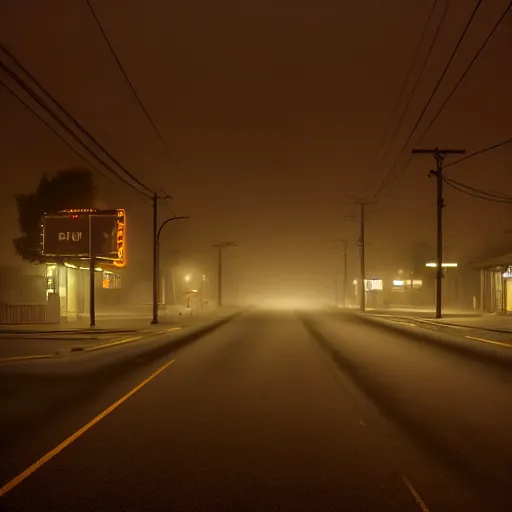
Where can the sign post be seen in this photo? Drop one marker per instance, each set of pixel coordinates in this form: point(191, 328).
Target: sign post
point(92, 290)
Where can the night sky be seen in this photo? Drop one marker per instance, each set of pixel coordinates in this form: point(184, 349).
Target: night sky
point(272, 111)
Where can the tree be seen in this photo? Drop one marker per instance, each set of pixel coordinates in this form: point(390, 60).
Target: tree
point(70, 188)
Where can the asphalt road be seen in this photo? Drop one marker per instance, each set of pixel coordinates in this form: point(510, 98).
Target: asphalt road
point(271, 412)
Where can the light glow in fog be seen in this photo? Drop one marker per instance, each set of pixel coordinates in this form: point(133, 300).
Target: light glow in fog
point(289, 303)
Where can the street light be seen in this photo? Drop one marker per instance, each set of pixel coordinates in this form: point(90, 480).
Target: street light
point(187, 278)
point(156, 263)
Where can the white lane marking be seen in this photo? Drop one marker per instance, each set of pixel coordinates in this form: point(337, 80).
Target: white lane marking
point(404, 323)
point(501, 344)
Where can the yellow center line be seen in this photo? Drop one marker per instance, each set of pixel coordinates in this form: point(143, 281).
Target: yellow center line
point(112, 343)
point(123, 341)
point(51, 454)
point(416, 495)
point(24, 358)
point(501, 344)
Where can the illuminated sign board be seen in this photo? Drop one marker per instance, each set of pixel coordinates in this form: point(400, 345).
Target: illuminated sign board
point(84, 233)
point(120, 260)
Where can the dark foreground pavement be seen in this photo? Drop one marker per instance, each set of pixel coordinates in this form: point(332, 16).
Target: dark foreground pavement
point(270, 412)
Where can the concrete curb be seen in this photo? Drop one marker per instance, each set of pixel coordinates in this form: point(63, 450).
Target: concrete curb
point(17, 359)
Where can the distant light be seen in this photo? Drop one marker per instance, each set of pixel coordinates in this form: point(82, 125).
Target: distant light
point(187, 278)
point(193, 291)
point(398, 282)
point(433, 264)
point(373, 284)
point(354, 281)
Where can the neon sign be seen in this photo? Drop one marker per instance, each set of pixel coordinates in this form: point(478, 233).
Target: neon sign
point(120, 261)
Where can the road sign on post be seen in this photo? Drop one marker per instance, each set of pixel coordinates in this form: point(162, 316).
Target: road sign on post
point(82, 233)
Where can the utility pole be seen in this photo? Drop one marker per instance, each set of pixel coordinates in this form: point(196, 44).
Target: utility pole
point(363, 268)
point(344, 247)
point(155, 259)
point(221, 246)
point(439, 156)
point(362, 298)
point(345, 258)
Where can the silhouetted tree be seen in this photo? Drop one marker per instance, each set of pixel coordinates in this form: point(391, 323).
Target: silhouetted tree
point(71, 188)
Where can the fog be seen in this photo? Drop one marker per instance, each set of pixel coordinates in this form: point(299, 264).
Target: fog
point(270, 114)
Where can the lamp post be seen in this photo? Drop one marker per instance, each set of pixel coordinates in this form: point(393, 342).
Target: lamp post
point(156, 264)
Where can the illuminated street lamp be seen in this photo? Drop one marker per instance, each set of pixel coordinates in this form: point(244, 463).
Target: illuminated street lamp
point(433, 264)
point(156, 256)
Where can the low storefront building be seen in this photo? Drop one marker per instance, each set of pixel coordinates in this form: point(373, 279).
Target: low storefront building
point(495, 284)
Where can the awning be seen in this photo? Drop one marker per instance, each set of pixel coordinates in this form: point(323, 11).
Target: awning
point(496, 263)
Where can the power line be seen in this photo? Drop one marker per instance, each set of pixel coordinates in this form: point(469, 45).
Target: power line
point(466, 71)
point(126, 77)
point(56, 132)
point(23, 85)
point(473, 192)
point(391, 190)
point(480, 152)
point(76, 123)
point(479, 191)
point(406, 165)
point(411, 96)
point(402, 91)
point(429, 101)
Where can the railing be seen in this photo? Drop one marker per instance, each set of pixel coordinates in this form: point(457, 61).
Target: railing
point(23, 314)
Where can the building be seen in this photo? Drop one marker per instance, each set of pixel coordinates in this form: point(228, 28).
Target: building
point(495, 284)
point(72, 285)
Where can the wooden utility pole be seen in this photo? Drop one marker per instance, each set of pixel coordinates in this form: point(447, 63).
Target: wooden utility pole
point(439, 156)
point(221, 246)
point(345, 258)
point(362, 297)
point(155, 259)
point(362, 279)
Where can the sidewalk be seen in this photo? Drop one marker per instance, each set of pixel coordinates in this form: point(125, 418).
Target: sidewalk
point(451, 317)
point(103, 325)
point(485, 322)
point(27, 342)
point(128, 322)
point(419, 312)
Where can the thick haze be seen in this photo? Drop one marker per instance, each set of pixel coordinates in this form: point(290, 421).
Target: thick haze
point(272, 110)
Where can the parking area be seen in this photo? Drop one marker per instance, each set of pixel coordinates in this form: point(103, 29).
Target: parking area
point(35, 345)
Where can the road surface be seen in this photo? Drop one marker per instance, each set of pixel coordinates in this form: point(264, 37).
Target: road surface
point(270, 412)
